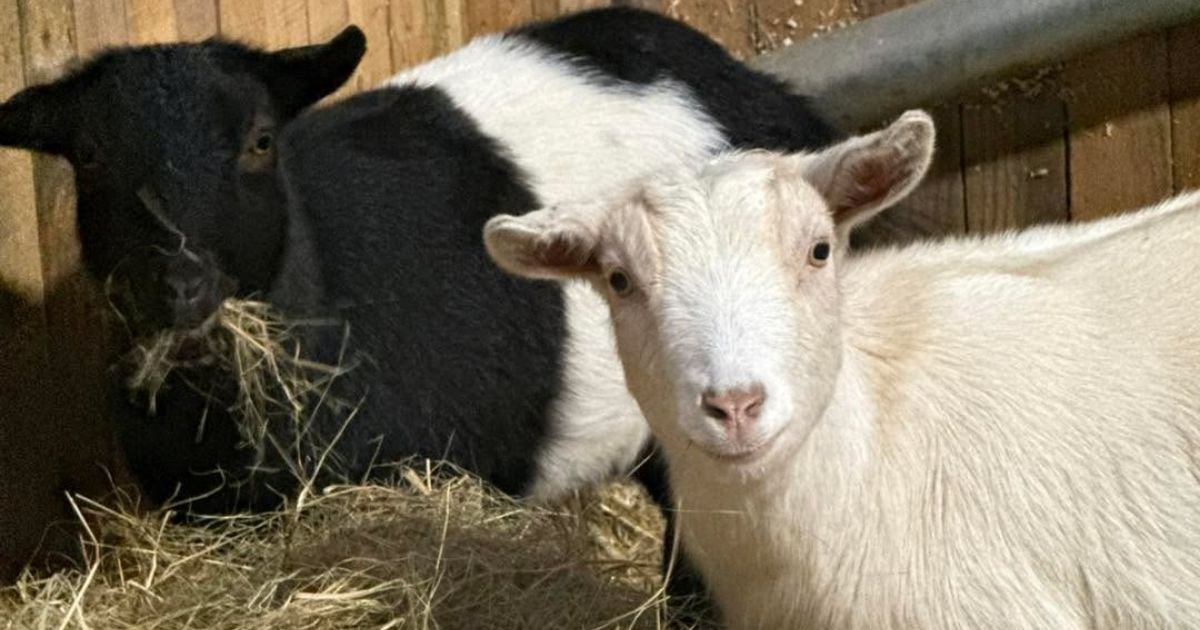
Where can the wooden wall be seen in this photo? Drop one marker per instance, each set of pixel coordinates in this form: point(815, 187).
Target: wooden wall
point(1085, 138)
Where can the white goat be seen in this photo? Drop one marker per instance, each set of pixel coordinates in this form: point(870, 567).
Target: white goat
point(997, 432)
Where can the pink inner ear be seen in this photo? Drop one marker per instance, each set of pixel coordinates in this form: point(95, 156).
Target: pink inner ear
point(565, 254)
point(871, 181)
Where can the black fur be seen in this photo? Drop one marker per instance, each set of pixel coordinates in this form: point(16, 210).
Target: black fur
point(463, 360)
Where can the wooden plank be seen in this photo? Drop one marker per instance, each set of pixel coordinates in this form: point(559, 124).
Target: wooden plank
point(270, 24)
point(196, 20)
point(243, 21)
point(326, 18)
point(452, 30)
point(48, 44)
point(574, 6)
point(20, 258)
point(547, 9)
point(1015, 162)
point(374, 18)
point(1185, 106)
point(649, 5)
point(730, 22)
point(47, 38)
point(99, 24)
point(1015, 155)
point(416, 27)
point(151, 21)
point(290, 27)
point(489, 16)
point(1120, 140)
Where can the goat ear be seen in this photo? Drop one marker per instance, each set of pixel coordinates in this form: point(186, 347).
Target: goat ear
point(39, 118)
point(544, 244)
point(865, 175)
point(299, 77)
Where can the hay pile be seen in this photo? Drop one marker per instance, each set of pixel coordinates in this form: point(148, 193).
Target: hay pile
point(432, 551)
point(436, 549)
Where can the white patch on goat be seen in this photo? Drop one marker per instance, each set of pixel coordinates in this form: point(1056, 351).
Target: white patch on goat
point(577, 136)
point(598, 431)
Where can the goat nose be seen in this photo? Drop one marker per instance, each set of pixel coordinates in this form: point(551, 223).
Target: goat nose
point(736, 406)
point(189, 289)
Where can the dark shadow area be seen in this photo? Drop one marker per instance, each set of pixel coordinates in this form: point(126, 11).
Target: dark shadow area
point(55, 438)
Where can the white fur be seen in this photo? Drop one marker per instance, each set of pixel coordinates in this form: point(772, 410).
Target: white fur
point(599, 431)
point(997, 432)
point(575, 139)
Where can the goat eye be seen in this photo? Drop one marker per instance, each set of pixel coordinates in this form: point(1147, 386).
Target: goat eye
point(819, 254)
point(263, 143)
point(619, 282)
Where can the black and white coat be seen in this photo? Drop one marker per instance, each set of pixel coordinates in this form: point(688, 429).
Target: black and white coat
point(573, 110)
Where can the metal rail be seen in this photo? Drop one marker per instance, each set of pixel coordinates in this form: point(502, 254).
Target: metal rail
point(936, 49)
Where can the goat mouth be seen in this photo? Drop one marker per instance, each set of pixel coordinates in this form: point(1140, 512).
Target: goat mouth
point(745, 454)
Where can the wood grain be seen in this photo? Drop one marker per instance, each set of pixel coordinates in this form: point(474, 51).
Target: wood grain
point(649, 5)
point(326, 18)
point(196, 20)
point(1120, 140)
point(421, 30)
point(452, 32)
point(150, 21)
point(99, 24)
point(20, 254)
point(1015, 161)
point(546, 9)
point(48, 45)
point(1185, 107)
point(490, 16)
point(374, 18)
point(271, 24)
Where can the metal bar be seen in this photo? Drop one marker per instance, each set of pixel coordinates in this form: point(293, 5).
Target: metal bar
point(936, 49)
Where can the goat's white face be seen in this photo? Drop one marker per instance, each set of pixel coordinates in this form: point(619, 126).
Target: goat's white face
point(722, 281)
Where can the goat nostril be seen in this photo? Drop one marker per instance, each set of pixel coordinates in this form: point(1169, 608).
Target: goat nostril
point(713, 411)
point(188, 291)
point(734, 405)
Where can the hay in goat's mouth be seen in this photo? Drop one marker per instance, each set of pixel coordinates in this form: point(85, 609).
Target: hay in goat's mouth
point(251, 342)
point(433, 551)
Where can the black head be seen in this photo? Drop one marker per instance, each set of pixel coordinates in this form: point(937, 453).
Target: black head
point(174, 153)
